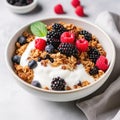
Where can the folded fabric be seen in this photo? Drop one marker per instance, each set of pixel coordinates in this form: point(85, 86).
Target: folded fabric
point(104, 103)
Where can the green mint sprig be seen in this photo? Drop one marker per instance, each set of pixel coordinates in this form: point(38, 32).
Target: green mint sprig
point(39, 29)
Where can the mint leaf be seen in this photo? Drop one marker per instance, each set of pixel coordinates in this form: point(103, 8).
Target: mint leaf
point(39, 29)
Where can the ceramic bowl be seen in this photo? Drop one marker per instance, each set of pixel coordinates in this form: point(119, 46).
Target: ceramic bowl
point(22, 9)
point(70, 94)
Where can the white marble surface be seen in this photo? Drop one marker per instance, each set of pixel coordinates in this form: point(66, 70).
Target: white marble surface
point(16, 103)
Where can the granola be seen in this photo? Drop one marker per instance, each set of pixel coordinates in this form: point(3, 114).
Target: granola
point(62, 57)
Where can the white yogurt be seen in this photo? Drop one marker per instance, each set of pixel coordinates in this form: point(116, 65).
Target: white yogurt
point(25, 55)
point(45, 74)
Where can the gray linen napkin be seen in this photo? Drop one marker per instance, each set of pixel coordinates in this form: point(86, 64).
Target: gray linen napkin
point(104, 104)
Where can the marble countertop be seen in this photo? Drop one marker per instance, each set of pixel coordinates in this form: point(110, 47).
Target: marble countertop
point(15, 102)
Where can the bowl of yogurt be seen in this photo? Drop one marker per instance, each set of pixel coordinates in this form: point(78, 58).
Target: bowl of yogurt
point(60, 59)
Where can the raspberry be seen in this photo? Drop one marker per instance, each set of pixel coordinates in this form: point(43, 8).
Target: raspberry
point(79, 11)
point(102, 63)
point(82, 45)
point(68, 49)
point(87, 35)
point(58, 9)
point(40, 44)
point(75, 3)
point(67, 37)
point(58, 84)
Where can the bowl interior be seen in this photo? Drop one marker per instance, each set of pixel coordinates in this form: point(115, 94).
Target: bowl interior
point(102, 37)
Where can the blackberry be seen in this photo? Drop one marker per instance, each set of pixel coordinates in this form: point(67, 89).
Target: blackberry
point(93, 54)
point(68, 49)
point(87, 35)
point(53, 34)
point(20, 2)
point(58, 27)
point(94, 71)
point(58, 84)
point(53, 41)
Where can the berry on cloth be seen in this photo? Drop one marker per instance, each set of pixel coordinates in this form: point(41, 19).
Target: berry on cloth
point(58, 9)
point(102, 63)
point(79, 11)
point(40, 44)
point(67, 37)
point(82, 45)
point(58, 84)
point(75, 3)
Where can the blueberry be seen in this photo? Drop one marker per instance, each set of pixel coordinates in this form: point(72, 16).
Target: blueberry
point(16, 59)
point(36, 83)
point(49, 48)
point(22, 40)
point(32, 64)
